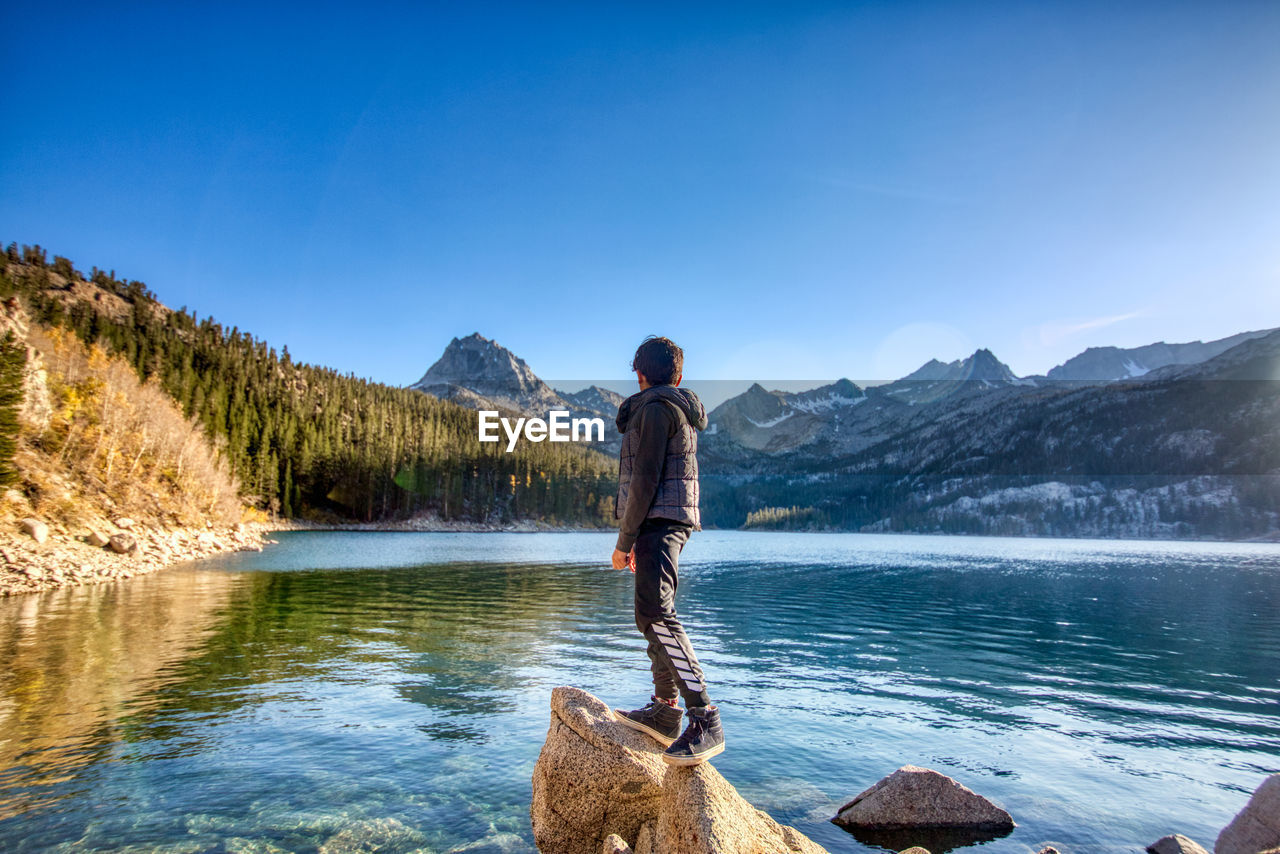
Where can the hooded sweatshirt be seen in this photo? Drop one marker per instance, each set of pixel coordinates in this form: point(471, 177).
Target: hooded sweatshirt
point(658, 464)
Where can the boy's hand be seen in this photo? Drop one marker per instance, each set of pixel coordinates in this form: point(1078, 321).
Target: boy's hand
point(624, 560)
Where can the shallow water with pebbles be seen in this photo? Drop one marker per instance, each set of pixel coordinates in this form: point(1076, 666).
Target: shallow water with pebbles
point(352, 691)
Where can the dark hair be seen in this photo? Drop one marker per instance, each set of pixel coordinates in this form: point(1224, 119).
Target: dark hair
point(659, 359)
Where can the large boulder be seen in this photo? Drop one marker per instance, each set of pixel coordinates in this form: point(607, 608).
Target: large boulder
point(1176, 844)
point(35, 529)
point(122, 544)
point(701, 811)
point(1255, 828)
point(615, 844)
point(593, 777)
point(596, 777)
point(912, 798)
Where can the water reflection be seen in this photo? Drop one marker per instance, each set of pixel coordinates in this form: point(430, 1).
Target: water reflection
point(79, 662)
point(935, 840)
point(275, 694)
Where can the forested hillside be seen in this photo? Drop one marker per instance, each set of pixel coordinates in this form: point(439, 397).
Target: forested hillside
point(306, 441)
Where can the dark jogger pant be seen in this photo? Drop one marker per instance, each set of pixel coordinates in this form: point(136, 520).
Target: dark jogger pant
point(673, 663)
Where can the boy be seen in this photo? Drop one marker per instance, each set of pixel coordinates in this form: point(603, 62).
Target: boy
point(657, 511)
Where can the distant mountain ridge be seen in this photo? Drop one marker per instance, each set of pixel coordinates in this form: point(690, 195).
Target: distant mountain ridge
point(595, 398)
point(1109, 364)
point(479, 372)
point(1188, 450)
point(1161, 448)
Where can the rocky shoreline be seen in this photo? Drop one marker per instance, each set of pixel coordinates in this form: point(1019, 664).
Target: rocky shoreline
point(36, 556)
point(39, 557)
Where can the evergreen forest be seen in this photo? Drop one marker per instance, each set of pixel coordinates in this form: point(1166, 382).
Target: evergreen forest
point(305, 441)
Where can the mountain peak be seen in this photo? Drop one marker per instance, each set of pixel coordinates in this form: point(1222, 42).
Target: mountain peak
point(485, 367)
point(934, 380)
point(847, 387)
point(983, 365)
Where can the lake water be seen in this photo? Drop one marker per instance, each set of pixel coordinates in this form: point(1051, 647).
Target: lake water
point(345, 691)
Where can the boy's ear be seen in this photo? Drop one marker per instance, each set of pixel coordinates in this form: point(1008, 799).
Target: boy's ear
point(678, 378)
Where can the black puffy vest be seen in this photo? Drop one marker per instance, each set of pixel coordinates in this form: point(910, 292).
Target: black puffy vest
point(677, 494)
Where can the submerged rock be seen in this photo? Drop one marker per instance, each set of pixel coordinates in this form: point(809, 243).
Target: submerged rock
point(494, 842)
point(372, 835)
point(914, 797)
point(1256, 828)
point(1175, 844)
point(595, 778)
point(241, 845)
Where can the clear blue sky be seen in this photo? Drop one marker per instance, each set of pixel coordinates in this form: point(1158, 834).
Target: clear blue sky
point(789, 190)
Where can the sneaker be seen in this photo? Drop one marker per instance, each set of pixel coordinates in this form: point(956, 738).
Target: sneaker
point(701, 740)
point(656, 719)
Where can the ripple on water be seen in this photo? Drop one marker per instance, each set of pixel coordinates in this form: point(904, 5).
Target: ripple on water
point(397, 698)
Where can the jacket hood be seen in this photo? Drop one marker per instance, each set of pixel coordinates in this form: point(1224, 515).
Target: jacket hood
point(686, 400)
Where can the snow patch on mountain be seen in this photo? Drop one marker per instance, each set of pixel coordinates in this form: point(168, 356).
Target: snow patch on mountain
point(772, 422)
point(1054, 508)
point(826, 403)
point(1133, 369)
